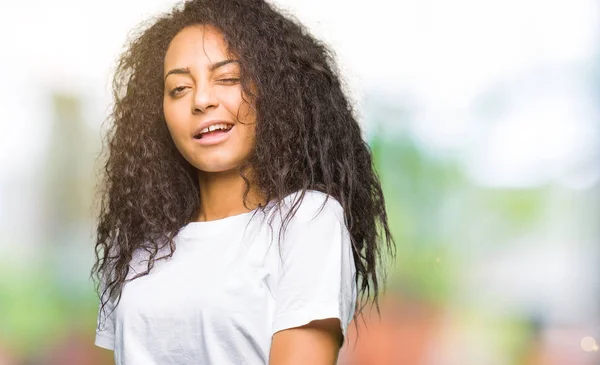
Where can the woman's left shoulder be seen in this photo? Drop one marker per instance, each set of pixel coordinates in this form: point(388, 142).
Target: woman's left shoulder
point(317, 204)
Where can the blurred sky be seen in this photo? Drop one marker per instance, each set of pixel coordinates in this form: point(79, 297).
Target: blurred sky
point(439, 59)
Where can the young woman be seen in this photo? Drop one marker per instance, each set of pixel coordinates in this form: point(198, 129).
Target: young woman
point(241, 216)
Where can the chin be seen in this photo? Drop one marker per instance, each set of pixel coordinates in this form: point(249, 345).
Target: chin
point(217, 160)
point(216, 167)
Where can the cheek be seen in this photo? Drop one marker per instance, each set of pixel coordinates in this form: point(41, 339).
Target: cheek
point(173, 118)
point(236, 106)
point(247, 116)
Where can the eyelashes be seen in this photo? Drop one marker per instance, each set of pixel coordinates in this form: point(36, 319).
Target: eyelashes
point(176, 90)
point(228, 81)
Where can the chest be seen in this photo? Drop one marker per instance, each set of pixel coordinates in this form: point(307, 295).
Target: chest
point(216, 286)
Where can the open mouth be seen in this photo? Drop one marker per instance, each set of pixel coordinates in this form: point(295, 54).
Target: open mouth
point(216, 132)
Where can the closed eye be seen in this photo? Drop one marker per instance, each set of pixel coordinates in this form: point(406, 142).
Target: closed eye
point(231, 80)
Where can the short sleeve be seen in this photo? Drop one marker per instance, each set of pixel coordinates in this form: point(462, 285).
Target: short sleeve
point(105, 325)
point(316, 271)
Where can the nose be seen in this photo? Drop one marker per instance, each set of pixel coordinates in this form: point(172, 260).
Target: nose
point(204, 98)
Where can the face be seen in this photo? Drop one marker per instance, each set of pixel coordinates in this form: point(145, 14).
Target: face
point(202, 85)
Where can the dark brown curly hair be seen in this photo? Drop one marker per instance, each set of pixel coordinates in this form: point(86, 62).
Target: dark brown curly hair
point(307, 137)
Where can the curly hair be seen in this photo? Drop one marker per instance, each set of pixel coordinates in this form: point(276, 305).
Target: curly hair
point(307, 137)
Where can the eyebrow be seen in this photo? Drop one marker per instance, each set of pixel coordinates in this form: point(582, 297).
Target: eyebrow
point(212, 67)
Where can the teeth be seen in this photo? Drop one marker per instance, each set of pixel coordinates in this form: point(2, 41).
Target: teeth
point(216, 126)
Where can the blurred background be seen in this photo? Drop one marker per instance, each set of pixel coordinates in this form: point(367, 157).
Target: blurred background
point(483, 117)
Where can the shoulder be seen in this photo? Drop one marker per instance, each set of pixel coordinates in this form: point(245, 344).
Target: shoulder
point(314, 205)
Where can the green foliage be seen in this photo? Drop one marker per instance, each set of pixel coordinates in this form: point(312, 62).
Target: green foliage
point(437, 215)
point(35, 311)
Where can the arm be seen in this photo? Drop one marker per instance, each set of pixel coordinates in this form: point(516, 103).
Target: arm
point(105, 327)
point(314, 291)
point(317, 343)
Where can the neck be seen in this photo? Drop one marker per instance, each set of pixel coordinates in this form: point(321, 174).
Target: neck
point(222, 194)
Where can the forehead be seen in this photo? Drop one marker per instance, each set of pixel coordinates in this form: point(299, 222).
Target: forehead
point(196, 45)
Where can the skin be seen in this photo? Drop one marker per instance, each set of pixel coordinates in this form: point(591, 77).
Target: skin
point(317, 342)
point(206, 93)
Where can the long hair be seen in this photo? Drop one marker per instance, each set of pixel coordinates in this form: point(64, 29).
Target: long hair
point(307, 137)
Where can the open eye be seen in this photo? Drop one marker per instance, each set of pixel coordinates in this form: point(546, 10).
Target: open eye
point(177, 90)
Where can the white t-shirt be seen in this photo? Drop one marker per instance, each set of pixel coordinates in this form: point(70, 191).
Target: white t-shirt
point(226, 290)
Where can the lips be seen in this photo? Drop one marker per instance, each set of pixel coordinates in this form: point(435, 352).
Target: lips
point(212, 133)
point(196, 133)
point(214, 138)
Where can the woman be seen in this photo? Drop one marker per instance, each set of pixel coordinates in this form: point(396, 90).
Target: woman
point(239, 213)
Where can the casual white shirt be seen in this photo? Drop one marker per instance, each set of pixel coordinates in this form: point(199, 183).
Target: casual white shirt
point(229, 287)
